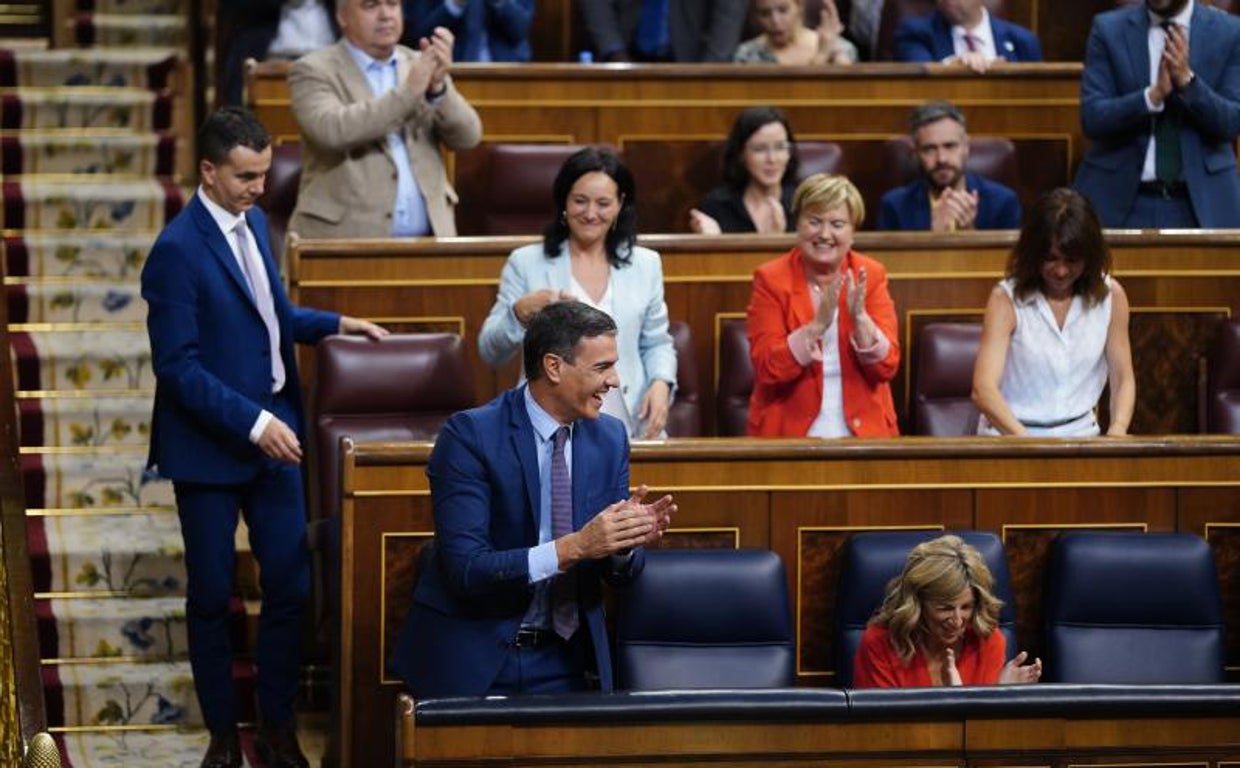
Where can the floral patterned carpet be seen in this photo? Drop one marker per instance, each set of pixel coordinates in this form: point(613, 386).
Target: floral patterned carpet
point(88, 163)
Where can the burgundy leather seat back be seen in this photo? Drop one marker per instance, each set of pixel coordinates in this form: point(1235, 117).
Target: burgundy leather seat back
point(942, 389)
point(819, 157)
point(505, 189)
point(1223, 389)
point(684, 418)
point(280, 197)
point(735, 378)
point(403, 387)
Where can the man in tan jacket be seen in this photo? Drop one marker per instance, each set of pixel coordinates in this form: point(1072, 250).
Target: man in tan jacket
point(372, 114)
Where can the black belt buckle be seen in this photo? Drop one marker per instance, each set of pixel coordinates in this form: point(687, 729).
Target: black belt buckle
point(1167, 190)
point(532, 638)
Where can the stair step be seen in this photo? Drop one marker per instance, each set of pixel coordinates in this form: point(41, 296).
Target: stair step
point(182, 748)
point(138, 553)
point(147, 629)
point(66, 203)
point(126, 29)
point(79, 152)
point(84, 421)
point(113, 361)
point(110, 694)
point(97, 302)
point(35, 256)
point(149, 68)
point(132, 109)
point(92, 482)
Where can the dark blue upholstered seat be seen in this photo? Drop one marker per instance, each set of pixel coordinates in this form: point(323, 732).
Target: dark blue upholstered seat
point(1133, 608)
point(705, 618)
point(871, 559)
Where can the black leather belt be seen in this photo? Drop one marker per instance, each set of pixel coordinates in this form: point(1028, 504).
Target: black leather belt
point(1052, 424)
point(1163, 189)
point(534, 638)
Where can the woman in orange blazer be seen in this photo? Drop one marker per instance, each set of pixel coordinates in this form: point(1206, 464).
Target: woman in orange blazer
point(822, 326)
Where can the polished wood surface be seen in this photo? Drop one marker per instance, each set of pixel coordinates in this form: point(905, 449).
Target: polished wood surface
point(802, 498)
point(621, 104)
point(1180, 285)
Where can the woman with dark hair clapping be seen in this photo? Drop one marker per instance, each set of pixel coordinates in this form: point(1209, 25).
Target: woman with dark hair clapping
point(589, 253)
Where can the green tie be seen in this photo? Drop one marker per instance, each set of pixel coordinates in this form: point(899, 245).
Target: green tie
point(1167, 163)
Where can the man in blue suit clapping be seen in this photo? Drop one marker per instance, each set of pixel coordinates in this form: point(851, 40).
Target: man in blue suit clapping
point(532, 511)
point(963, 32)
point(1160, 102)
point(226, 427)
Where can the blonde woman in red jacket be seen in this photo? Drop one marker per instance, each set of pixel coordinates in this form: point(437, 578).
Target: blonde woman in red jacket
point(822, 326)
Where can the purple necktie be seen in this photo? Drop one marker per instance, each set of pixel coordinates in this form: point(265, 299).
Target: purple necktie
point(260, 290)
point(564, 588)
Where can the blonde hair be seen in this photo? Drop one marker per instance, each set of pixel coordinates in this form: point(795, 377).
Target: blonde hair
point(824, 191)
point(936, 570)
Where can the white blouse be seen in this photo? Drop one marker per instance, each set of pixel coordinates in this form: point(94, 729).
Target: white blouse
point(1053, 377)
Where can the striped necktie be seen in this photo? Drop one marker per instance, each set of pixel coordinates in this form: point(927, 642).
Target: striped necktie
point(564, 619)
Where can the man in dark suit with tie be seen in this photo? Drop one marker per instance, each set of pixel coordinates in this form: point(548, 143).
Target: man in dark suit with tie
point(532, 510)
point(226, 426)
point(964, 32)
point(1160, 102)
point(485, 30)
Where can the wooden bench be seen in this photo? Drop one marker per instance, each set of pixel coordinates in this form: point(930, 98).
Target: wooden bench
point(801, 498)
point(1181, 286)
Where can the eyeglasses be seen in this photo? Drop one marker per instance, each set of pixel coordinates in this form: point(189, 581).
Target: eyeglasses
point(778, 148)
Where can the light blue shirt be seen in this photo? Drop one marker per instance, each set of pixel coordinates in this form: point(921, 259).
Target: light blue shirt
point(409, 217)
point(543, 560)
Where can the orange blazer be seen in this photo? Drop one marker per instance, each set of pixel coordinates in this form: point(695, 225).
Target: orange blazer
point(877, 664)
point(787, 395)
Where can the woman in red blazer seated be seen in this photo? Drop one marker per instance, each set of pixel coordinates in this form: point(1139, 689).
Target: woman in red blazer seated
point(939, 625)
point(822, 326)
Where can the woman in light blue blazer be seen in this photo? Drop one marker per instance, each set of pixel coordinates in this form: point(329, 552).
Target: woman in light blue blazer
point(589, 254)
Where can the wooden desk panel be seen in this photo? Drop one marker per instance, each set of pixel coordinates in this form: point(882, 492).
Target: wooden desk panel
point(1192, 279)
point(804, 497)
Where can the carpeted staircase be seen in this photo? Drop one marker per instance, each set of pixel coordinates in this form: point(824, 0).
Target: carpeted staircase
point(93, 153)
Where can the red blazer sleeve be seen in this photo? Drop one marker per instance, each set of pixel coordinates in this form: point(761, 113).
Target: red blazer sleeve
point(766, 320)
point(882, 311)
point(993, 655)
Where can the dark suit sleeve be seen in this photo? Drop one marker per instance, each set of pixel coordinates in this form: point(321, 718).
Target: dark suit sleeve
point(170, 286)
point(510, 19)
point(421, 18)
point(462, 495)
point(621, 570)
point(1007, 211)
point(1214, 110)
point(1031, 47)
point(602, 19)
point(723, 33)
point(1106, 111)
point(888, 216)
point(914, 42)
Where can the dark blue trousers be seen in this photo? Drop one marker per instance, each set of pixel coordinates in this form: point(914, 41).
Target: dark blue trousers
point(274, 508)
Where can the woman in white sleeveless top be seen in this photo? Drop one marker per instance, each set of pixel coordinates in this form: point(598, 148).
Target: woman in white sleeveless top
point(1055, 331)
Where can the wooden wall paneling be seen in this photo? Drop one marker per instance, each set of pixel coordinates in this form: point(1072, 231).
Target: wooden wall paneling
point(1172, 345)
point(1029, 518)
point(551, 30)
point(809, 526)
point(708, 519)
point(1214, 514)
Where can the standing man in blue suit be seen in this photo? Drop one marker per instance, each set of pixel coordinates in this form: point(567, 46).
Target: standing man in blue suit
point(944, 197)
point(1160, 100)
point(963, 32)
point(532, 510)
point(226, 427)
point(485, 30)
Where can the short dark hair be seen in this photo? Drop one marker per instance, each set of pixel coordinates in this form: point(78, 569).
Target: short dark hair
point(747, 124)
point(623, 234)
point(932, 112)
point(557, 328)
point(229, 127)
point(1063, 219)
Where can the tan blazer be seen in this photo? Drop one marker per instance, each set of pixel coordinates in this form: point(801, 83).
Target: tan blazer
point(348, 178)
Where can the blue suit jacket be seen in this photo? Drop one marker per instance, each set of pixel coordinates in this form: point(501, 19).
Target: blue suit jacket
point(210, 349)
point(929, 38)
point(1115, 118)
point(908, 207)
point(506, 22)
point(473, 590)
